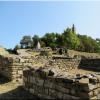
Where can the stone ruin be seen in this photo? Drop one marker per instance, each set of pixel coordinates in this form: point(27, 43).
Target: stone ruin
point(55, 81)
point(51, 85)
point(12, 66)
point(53, 77)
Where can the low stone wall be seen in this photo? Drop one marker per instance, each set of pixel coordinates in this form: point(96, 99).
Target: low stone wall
point(40, 83)
point(90, 64)
point(46, 85)
point(72, 53)
point(65, 63)
point(11, 68)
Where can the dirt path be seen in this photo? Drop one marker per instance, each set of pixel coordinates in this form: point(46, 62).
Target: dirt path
point(11, 90)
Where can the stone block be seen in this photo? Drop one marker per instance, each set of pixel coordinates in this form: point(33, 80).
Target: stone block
point(84, 80)
point(53, 93)
point(20, 72)
point(31, 90)
point(95, 92)
point(48, 84)
point(85, 88)
point(17, 60)
point(59, 95)
point(91, 87)
point(75, 98)
point(39, 81)
point(16, 64)
point(66, 97)
point(72, 91)
point(62, 89)
point(84, 95)
point(91, 94)
point(35, 89)
point(32, 80)
point(98, 89)
point(40, 89)
point(33, 86)
point(46, 91)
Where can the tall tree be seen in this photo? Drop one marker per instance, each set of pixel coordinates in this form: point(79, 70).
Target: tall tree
point(73, 29)
point(71, 39)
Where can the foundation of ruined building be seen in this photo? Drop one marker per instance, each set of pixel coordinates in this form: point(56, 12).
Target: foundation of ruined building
point(11, 67)
point(53, 78)
point(40, 83)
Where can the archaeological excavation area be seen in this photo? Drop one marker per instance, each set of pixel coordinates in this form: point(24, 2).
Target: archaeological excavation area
point(53, 76)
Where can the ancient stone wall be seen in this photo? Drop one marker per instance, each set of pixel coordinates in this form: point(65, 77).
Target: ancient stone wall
point(72, 53)
point(90, 64)
point(46, 85)
point(41, 84)
point(65, 63)
point(11, 68)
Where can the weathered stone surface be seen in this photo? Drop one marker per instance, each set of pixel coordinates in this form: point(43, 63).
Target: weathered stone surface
point(59, 95)
point(48, 84)
point(58, 88)
point(72, 91)
point(52, 81)
point(91, 87)
point(39, 81)
point(62, 89)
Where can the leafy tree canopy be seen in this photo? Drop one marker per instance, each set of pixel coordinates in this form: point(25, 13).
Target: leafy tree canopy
point(68, 39)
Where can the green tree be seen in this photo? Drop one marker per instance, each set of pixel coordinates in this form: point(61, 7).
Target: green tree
point(98, 44)
point(17, 47)
point(68, 39)
point(26, 42)
point(71, 39)
point(50, 40)
point(60, 40)
point(42, 43)
point(88, 44)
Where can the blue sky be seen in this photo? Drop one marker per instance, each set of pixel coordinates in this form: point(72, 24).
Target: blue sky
point(28, 18)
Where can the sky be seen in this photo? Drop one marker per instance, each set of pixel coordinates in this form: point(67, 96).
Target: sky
point(19, 18)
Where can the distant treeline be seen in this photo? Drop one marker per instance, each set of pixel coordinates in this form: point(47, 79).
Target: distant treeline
point(68, 39)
